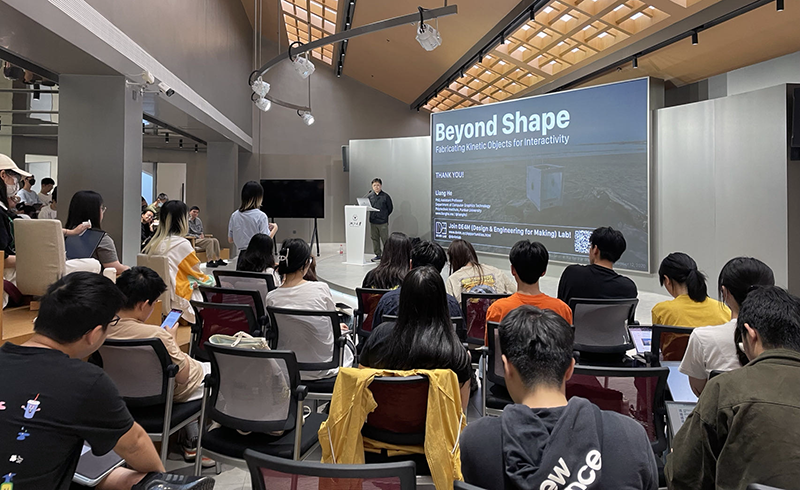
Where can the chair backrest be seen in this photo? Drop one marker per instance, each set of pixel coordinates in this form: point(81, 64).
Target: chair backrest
point(473, 313)
point(756, 486)
point(669, 343)
point(252, 390)
point(41, 256)
point(635, 392)
point(254, 281)
point(402, 410)
point(494, 366)
point(219, 318)
point(367, 303)
point(458, 322)
point(601, 325)
point(312, 335)
point(270, 472)
point(139, 369)
point(460, 485)
point(160, 264)
point(234, 297)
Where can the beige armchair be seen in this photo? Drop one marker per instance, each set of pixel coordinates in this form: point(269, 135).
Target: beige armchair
point(41, 257)
point(159, 264)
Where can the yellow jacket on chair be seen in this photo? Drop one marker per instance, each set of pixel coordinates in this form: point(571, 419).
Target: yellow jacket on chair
point(340, 435)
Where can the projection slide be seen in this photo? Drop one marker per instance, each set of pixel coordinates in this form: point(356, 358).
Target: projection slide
point(549, 168)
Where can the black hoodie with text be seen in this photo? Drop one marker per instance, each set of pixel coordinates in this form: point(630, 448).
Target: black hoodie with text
point(577, 446)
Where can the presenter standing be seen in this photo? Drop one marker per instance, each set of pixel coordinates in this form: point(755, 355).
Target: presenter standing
point(379, 220)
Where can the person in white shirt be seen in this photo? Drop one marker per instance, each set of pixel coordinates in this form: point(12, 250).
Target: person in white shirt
point(47, 185)
point(315, 334)
point(49, 211)
point(467, 274)
point(249, 219)
point(714, 348)
point(27, 195)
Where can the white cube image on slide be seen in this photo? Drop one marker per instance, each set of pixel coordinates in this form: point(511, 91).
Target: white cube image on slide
point(545, 185)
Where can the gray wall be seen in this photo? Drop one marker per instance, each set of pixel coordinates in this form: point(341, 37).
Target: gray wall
point(404, 166)
point(195, 173)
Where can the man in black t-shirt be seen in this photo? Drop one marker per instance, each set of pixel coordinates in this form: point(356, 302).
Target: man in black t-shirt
point(598, 280)
point(51, 401)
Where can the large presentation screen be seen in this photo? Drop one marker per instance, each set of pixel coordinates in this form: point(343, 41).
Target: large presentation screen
point(550, 168)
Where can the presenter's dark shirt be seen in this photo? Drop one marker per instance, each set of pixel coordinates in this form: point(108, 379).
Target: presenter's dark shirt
point(48, 408)
point(595, 282)
point(383, 203)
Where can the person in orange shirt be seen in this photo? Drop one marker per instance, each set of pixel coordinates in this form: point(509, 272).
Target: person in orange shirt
point(528, 264)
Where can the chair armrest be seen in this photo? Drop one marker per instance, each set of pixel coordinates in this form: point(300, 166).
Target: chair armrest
point(172, 370)
point(301, 392)
point(342, 340)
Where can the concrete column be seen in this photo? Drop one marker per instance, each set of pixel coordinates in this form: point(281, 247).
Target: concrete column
point(222, 165)
point(100, 149)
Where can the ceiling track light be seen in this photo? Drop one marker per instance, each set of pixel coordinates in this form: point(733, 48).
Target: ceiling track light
point(263, 104)
point(779, 5)
point(166, 139)
point(635, 62)
point(533, 11)
point(694, 38)
point(427, 37)
point(260, 87)
point(307, 117)
point(180, 143)
point(195, 148)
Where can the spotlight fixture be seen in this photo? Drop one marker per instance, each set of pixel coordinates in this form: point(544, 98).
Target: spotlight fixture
point(263, 104)
point(195, 148)
point(260, 87)
point(167, 139)
point(427, 36)
point(303, 66)
point(694, 38)
point(307, 117)
point(635, 62)
point(180, 143)
point(779, 5)
point(533, 12)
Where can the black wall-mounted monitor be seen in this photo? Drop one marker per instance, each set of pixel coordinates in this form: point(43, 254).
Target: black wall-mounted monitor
point(293, 198)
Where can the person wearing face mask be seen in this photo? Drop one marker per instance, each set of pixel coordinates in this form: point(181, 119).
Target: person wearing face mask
point(27, 195)
point(11, 175)
point(160, 200)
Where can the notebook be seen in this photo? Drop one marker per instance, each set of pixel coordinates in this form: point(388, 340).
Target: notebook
point(83, 246)
point(92, 469)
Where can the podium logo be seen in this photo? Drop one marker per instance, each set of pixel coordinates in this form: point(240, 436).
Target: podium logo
point(441, 229)
point(354, 222)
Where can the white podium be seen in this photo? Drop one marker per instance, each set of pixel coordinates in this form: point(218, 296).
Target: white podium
point(355, 232)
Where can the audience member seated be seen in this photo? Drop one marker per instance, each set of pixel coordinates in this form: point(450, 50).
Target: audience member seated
point(423, 336)
point(423, 253)
point(209, 244)
point(48, 185)
point(467, 275)
point(25, 212)
point(259, 257)
point(598, 280)
point(144, 204)
point(394, 264)
point(156, 206)
point(249, 219)
point(299, 294)
point(11, 175)
point(311, 273)
point(50, 211)
point(185, 276)
point(148, 226)
point(142, 287)
point(691, 307)
point(544, 441)
point(55, 401)
point(744, 427)
point(714, 348)
point(87, 207)
point(528, 264)
point(27, 195)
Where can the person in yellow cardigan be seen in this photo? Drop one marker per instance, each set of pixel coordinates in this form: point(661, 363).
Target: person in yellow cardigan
point(691, 307)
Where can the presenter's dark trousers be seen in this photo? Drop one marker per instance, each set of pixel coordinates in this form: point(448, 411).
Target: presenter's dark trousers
point(378, 233)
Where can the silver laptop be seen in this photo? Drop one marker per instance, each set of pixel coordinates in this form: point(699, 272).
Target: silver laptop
point(363, 201)
point(677, 413)
point(92, 469)
point(641, 337)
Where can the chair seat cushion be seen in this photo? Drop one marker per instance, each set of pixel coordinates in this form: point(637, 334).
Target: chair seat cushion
point(152, 418)
point(231, 443)
point(320, 385)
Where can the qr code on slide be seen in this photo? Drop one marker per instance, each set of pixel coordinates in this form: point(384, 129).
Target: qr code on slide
point(582, 241)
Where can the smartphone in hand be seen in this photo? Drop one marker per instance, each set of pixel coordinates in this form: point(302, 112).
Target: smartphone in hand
point(172, 319)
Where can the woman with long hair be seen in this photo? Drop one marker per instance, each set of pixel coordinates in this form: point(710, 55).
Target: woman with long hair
point(87, 207)
point(249, 219)
point(259, 257)
point(423, 336)
point(468, 275)
point(185, 276)
point(394, 265)
point(714, 348)
point(691, 307)
point(299, 294)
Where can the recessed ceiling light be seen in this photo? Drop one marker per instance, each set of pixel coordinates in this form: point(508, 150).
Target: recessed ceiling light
point(567, 18)
point(575, 50)
point(521, 49)
point(619, 7)
point(560, 44)
point(553, 62)
point(476, 67)
point(487, 72)
point(652, 8)
point(587, 27)
point(602, 34)
point(501, 63)
point(637, 15)
point(548, 9)
point(542, 34)
point(488, 57)
point(525, 27)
